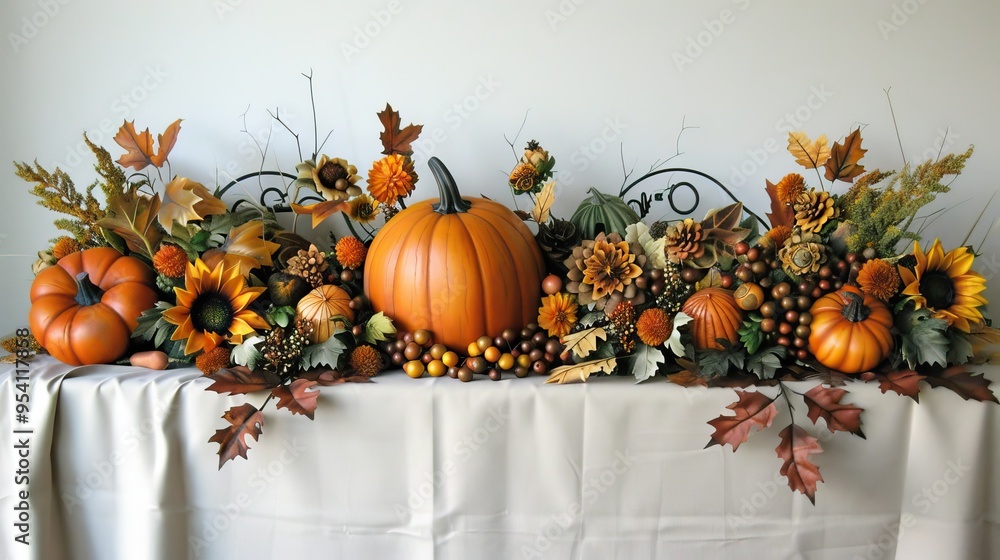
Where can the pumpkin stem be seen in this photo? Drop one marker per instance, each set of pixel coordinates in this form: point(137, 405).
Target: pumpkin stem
point(87, 293)
point(855, 311)
point(451, 201)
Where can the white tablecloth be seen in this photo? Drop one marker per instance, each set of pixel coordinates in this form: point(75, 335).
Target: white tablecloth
point(120, 468)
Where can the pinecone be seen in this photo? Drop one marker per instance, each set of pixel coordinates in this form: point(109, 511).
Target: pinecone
point(556, 242)
point(283, 347)
point(813, 210)
point(310, 265)
point(684, 241)
point(389, 211)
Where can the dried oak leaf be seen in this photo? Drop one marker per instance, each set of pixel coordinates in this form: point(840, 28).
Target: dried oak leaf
point(752, 409)
point(320, 210)
point(297, 397)
point(583, 343)
point(396, 140)
point(795, 448)
point(904, 382)
point(578, 373)
point(843, 162)
point(781, 214)
point(967, 385)
point(243, 421)
point(239, 380)
point(245, 246)
point(808, 153)
point(825, 402)
point(138, 146)
point(183, 200)
point(687, 378)
point(543, 202)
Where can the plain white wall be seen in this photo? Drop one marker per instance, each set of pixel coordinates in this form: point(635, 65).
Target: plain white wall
point(586, 71)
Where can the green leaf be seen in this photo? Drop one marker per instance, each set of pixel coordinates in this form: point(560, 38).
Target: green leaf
point(378, 328)
point(713, 362)
point(153, 327)
point(324, 354)
point(590, 319)
point(750, 334)
point(766, 363)
point(960, 349)
point(645, 362)
point(280, 316)
point(247, 354)
point(923, 336)
point(605, 350)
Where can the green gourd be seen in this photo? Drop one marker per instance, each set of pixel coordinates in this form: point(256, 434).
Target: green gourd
point(602, 212)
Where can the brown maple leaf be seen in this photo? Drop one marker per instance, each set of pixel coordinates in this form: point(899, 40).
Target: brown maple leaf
point(843, 162)
point(904, 382)
point(795, 448)
point(967, 385)
point(138, 146)
point(781, 214)
point(396, 140)
point(134, 220)
point(239, 380)
point(243, 421)
point(687, 378)
point(825, 402)
point(297, 397)
point(752, 409)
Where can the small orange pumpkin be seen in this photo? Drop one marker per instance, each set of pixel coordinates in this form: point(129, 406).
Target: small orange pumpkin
point(84, 309)
point(715, 315)
point(459, 267)
point(850, 331)
point(320, 306)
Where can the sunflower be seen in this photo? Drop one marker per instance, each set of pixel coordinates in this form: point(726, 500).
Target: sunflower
point(944, 284)
point(391, 178)
point(363, 209)
point(212, 307)
point(557, 314)
point(333, 178)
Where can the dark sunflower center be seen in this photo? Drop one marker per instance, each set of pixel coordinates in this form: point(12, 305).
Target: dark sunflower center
point(365, 210)
point(211, 312)
point(938, 289)
point(331, 172)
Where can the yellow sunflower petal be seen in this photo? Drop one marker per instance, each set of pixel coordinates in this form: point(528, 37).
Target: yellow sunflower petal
point(253, 319)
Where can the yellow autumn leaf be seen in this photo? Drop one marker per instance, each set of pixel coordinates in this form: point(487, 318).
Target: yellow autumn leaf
point(584, 342)
point(579, 373)
point(183, 200)
point(247, 247)
point(808, 153)
point(543, 202)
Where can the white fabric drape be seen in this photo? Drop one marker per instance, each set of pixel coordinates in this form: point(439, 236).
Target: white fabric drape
point(438, 469)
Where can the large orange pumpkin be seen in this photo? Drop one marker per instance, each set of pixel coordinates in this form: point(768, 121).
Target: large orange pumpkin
point(715, 315)
point(461, 268)
point(84, 309)
point(850, 331)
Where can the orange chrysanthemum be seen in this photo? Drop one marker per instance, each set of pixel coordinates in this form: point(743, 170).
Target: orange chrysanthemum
point(170, 261)
point(351, 252)
point(212, 307)
point(391, 178)
point(879, 279)
point(213, 360)
point(557, 314)
point(610, 268)
point(945, 284)
point(366, 361)
point(65, 246)
point(654, 326)
point(779, 234)
point(789, 188)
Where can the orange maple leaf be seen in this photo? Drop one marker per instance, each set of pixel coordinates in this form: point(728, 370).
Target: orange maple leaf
point(138, 146)
point(394, 139)
point(843, 162)
point(320, 210)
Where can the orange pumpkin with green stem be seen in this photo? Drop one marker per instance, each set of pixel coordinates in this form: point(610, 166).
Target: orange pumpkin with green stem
point(459, 267)
point(84, 309)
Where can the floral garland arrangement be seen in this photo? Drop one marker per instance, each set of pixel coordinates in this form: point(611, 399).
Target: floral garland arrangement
point(166, 272)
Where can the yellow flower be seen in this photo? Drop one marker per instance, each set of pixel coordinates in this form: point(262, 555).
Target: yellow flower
point(213, 307)
point(391, 178)
point(363, 209)
point(557, 314)
point(610, 268)
point(945, 284)
point(333, 178)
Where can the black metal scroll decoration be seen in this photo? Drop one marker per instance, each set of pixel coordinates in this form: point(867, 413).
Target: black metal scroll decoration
point(645, 201)
point(282, 197)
